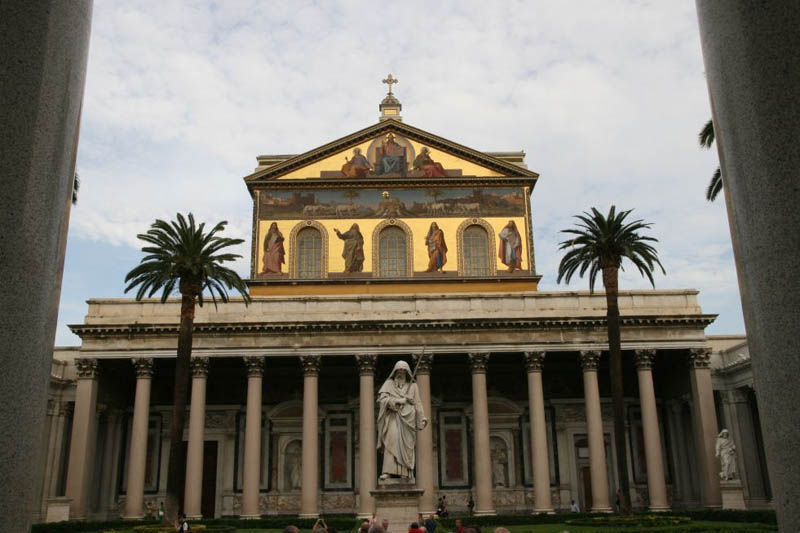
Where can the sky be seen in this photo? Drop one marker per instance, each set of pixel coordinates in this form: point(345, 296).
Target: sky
point(605, 98)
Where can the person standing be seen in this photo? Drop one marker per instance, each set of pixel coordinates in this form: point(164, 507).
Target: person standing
point(574, 507)
point(353, 251)
point(437, 249)
point(430, 524)
point(470, 504)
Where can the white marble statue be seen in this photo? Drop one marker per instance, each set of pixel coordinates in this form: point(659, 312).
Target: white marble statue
point(726, 451)
point(400, 416)
point(499, 463)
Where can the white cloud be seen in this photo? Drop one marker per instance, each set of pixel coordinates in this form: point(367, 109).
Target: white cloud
point(605, 98)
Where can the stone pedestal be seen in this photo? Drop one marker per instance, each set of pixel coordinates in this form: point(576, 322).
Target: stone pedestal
point(58, 509)
point(398, 502)
point(732, 494)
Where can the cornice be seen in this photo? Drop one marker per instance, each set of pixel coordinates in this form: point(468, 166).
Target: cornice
point(477, 323)
point(389, 183)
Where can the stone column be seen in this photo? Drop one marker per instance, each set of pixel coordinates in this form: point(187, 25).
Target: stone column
point(84, 425)
point(424, 475)
point(594, 429)
point(251, 484)
point(309, 491)
point(541, 460)
point(705, 425)
point(367, 457)
point(742, 429)
point(750, 51)
point(193, 491)
point(656, 483)
point(43, 50)
point(65, 411)
point(137, 458)
point(484, 505)
point(107, 489)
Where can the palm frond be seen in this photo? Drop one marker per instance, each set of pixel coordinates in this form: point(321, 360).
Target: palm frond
point(181, 253)
point(706, 136)
point(598, 241)
point(714, 186)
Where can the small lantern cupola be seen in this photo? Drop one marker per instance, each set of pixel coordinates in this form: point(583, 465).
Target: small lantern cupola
point(390, 106)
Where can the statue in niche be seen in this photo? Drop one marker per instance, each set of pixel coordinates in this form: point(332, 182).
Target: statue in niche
point(293, 466)
point(357, 167)
point(429, 167)
point(273, 250)
point(391, 157)
point(353, 251)
point(499, 464)
point(510, 252)
point(437, 249)
point(726, 451)
point(400, 416)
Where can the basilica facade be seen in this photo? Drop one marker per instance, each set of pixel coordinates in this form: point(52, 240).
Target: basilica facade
point(396, 244)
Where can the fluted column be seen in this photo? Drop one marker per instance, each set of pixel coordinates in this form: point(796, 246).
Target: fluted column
point(309, 505)
point(705, 425)
point(424, 475)
point(654, 459)
point(594, 429)
point(137, 458)
point(367, 460)
point(194, 454)
point(543, 502)
point(251, 483)
point(484, 505)
point(84, 425)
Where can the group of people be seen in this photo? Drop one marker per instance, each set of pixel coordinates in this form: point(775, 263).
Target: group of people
point(509, 252)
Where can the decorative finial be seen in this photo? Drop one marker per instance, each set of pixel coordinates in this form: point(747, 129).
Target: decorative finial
point(389, 81)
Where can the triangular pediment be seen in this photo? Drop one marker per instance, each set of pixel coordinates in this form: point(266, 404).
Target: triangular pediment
point(389, 149)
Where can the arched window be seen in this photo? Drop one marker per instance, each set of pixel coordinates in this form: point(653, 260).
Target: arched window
point(393, 252)
point(476, 251)
point(309, 253)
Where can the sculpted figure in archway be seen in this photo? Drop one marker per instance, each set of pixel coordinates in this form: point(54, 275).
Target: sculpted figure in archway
point(400, 416)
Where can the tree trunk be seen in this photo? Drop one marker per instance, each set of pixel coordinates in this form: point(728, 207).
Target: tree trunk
point(610, 282)
point(175, 466)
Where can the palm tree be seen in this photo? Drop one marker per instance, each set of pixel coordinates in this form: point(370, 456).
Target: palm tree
point(181, 254)
point(600, 243)
point(706, 138)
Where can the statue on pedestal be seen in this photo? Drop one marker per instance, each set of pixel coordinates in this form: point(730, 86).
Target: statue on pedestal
point(400, 416)
point(726, 451)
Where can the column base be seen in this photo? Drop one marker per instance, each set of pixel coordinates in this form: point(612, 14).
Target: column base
point(601, 510)
point(364, 516)
point(544, 511)
point(485, 512)
point(194, 517)
point(659, 508)
point(250, 516)
point(310, 515)
point(140, 517)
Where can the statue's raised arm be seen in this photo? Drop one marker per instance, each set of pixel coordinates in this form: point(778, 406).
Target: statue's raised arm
point(400, 416)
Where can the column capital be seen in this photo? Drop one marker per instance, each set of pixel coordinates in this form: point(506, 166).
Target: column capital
point(86, 368)
point(425, 362)
point(143, 366)
point(366, 364)
point(644, 358)
point(737, 395)
point(310, 364)
point(590, 360)
point(700, 358)
point(199, 367)
point(534, 361)
point(255, 366)
point(478, 361)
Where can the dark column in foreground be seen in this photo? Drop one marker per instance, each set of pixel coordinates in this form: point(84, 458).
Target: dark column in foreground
point(751, 52)
point(43, 50)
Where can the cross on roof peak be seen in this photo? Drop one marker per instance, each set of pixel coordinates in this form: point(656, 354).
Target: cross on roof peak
point(390, 81)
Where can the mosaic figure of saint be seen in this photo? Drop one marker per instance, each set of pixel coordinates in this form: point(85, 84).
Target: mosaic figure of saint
point(400, 416)
point(353, 252)
point(510, 252)
point(437, 249)
point(391, 157)
point(429, 167)
point(273, 251)
point(357, 167)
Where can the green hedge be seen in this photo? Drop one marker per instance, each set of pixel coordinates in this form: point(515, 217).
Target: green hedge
point(340, 522)
point(80, 526)
point(720, 515)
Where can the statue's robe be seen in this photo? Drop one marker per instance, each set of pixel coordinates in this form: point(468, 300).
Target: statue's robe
point(398, 426)
point(353, 252)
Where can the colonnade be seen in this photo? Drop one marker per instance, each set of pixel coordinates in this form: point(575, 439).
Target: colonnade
point(704, 418)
